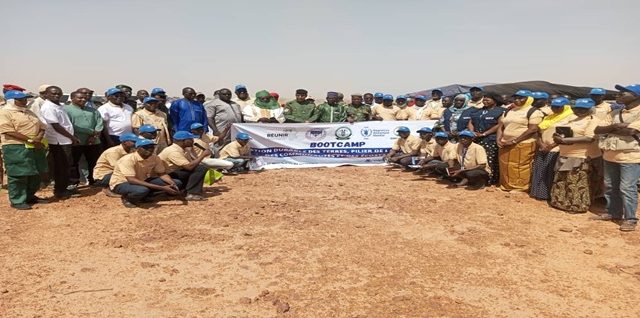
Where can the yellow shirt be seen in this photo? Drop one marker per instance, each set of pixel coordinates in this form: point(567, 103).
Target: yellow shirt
point(581, 127)
point(631, 116)
point(435, 108)
point(546, 137)
point(474, 156)
point(601, 111)
point(21, 120)
point(107, 161)
point(386, 113)
point(546, 110)
point(427, 147)
point(407, 146)
point(235, 150)
point(132, 165)
point(477, 104)
point(407, 113)
point(515, 123)
point(157, 119)
point(174, 158)
point(447, 153)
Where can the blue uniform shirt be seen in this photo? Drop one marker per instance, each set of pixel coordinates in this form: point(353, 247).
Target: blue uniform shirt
point(184, 112)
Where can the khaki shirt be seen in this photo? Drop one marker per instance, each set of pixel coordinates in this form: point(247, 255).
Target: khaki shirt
point(20, 120)
point(623, 156)
point(447, 154)
point(132, 165)
point(515, 123)
point(546, 110)
point(407, 113)
point(407, 146)
point(546, 137)
point(107, 161)
point(581, 127)
point(174, 158)
point(473, 157)
point(386, 113)
point(235, 150)
point(601, 111)
point(157, 119)
point(427, 148)
point(435, 108)
point(477, 104)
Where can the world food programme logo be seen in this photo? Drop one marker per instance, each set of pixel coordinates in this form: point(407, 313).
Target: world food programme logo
point(316, 134)
point(343, 133)
point(395, 131)
point(366, 132)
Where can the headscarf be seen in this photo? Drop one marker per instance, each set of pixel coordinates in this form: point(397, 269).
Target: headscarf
point(271, 104)
point(554, 118)
point(457, 112)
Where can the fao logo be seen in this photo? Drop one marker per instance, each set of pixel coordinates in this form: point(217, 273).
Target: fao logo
point(316, 134)
point(343, 133)
point(366, 132)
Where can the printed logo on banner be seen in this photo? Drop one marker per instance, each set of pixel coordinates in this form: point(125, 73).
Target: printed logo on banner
point(366, 132)
point(395, 131)
point(343, 133)
point(286, 133)
point(316, 134)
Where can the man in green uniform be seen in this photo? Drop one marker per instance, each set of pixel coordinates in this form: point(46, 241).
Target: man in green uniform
point(299, 110)
point(331, 111)
point(357, 110)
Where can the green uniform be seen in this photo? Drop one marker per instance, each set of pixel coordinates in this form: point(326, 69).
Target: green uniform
point(330, 114)
point(359, 113)
point(24, 167)
point(295, 112)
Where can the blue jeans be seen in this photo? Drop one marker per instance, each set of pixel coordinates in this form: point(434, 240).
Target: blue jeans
point(238, 164)
point(104, 182)
point(136, 193)
point(621, 182)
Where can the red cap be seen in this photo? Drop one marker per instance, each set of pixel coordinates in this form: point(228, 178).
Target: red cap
point(11, 87)
point(274, 95)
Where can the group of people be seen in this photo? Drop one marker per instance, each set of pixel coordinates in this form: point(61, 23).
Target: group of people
point(566, 152)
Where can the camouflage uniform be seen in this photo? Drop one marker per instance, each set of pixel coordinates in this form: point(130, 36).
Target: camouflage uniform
point(359, 113)
point(330, 114)
point(295, 112)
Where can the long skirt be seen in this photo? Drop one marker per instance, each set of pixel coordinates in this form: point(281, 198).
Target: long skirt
point(491, 148)
point(571, 191)
point(596, 177)
point(515, 166)
point(542, 177)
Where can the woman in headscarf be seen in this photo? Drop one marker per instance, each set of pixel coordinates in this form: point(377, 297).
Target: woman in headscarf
point(456, 117)
point(547, 154)
point(484, 124)
point(516, 140)
point(264, 109)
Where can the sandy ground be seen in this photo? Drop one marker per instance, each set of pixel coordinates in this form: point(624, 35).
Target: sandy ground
point(343, 242)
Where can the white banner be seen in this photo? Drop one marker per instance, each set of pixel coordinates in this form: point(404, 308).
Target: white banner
point(324, 145)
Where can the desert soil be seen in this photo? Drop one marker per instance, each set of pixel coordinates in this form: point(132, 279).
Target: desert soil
point(341, 242)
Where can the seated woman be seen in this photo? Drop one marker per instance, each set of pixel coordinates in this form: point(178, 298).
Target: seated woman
point(571, 190)
point(263, 110)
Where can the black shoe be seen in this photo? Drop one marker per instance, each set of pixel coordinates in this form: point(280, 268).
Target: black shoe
point(21, 206)
point(62, 195)
point(128, 204)
point(37, 200)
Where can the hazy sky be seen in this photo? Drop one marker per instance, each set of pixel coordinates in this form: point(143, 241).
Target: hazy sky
point(349, 46)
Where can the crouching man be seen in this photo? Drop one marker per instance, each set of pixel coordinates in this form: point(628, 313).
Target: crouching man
point(238, 153)
point(180, 166)
point(107, 162)
point(404, 149)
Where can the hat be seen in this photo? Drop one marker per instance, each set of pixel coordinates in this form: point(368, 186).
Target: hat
point(523, 93)
point(598, 91)
point(332, 94)
point(378, 95)
point(633, 89)
point(196, 126)
point(424, 130)
point(301, 91)
point(144, 142)
point(147, 100)
point(147, 129)
point(243, 136)
point(121, 86)
point(559, 102)
point(466, 133)
point(539, 95)
point(475, 88)
point(401, 97)
point(387, 97)
point(442, 134)
point(43, 88)
point(129, 137)
point(421, 97)
point(356, 95)
point(15, 95)
point(11, 87)
point(436, 90)
point(157, 90)
point(274, 95)
point(403, 129)
point(183, 135)
point(240, 87)
point(113, 91)
point(584, 103)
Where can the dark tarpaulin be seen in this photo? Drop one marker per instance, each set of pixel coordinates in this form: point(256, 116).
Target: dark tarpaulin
point(449, 90)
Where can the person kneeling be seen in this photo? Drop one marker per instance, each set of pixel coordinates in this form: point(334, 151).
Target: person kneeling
point(405, 149)
point(179, 166)
point(107, 162)
point(444, 155)
point(202, 142)
point(238, 153)
point(474, 170)
point(132, 176)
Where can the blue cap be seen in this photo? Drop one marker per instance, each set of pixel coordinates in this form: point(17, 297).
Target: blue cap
point(240, 86)
point(378, 95)
point(424, 130)
point(15, 95)
point(403, 129)
point(196, 126)
point(157, 90)
point(421, 97)
point(243, 136)
point(633, 89)
point(559, 102)
point(584, 103)
point(540, 95)
point(129, 137)
point(113, 91)
point(442, 134)
point(436, 90)
point(183, 135)
point(598, 91)
point(387, 97)
point(150, 100)
point(144, 142)
point(147, 129)
point(466, 133)
point(401, 97)
point(523, 93)
point(475, 88)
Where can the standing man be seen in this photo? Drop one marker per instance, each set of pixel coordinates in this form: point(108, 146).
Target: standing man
point(159, 94)
point(140, 96)
point(186, 111)
point(357, 110)
point(150, 115)
point(179, 166)
point(89, 93)
point(377, 100)
point(476, 97)
point(330, 111)
point(36, 104)
point(406, 112)
point(21, 132)
point(368, 99)
point(87, 127)
point(242, 96)
point(222, 112)
point(387, 111)
point(59, 133)
point(436, 109)
point(116, 116)
point(299, 110)
point(602, 108)
point(200, 97)
point(621, 154)
point(128, 91)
